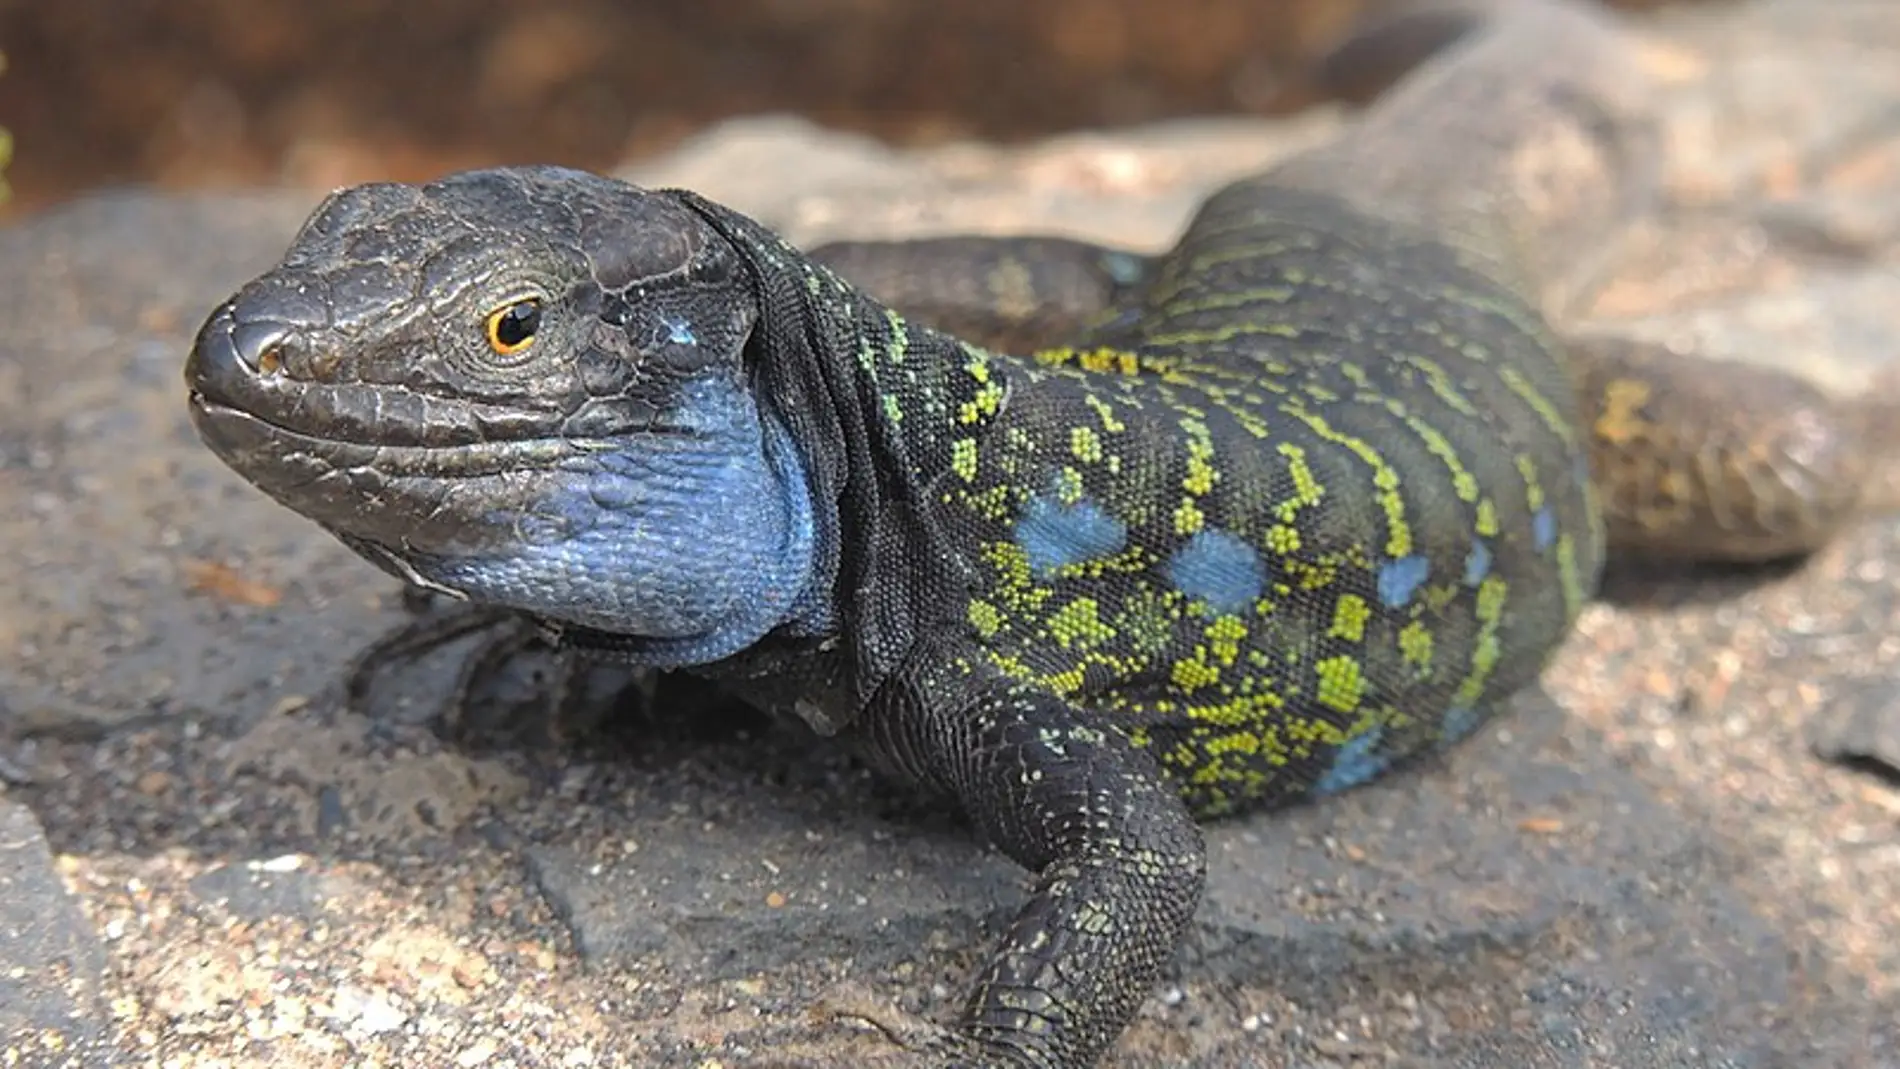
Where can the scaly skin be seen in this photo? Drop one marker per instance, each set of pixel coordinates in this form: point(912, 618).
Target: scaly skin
point(1311, 498)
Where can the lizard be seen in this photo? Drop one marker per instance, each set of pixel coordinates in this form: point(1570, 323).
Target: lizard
point(1299, 500)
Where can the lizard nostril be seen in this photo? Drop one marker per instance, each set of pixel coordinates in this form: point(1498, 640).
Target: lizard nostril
point(262, 346)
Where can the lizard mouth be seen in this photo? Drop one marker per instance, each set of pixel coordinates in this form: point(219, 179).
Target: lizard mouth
point(256, 446)
point(242, 389)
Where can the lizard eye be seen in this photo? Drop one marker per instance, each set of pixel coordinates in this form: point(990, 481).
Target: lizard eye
point(511, 327)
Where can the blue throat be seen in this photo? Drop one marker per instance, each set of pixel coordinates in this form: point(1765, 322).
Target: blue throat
point(690, 548)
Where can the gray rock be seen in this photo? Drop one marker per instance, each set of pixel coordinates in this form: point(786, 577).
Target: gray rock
point(1524, 874)
point(122, 595)
point(1523, 885)
point(51, 961)
point(272, 889)
point(1861, 725)
point(761, 890)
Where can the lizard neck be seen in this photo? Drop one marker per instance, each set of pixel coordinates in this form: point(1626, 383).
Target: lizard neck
point(882, 410)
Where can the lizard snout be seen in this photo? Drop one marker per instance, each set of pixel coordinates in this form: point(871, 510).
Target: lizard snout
point(261, 334)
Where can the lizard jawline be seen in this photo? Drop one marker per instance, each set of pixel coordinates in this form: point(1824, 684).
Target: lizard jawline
point(257, 446)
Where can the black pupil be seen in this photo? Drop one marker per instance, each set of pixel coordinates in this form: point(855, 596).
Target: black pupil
point(518, 324)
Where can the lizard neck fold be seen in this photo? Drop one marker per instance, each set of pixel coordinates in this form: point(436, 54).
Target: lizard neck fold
point(883, 409)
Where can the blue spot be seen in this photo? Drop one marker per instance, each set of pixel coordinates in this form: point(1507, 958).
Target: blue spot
point(1458, 724)
point(1477, 562)
point(1220, 569)
point(1400, 579)
point(1055, 536)
point(1125, 268)
point(1544, 529)
point(680, 332)
point(1357, 762)
point(613, 490)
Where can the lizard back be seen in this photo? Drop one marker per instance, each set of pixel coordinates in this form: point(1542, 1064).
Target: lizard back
point(1308, 502)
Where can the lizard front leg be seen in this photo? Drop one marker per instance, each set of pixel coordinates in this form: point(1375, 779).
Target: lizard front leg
point(1119, 861)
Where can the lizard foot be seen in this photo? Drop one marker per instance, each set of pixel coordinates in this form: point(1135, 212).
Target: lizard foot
point(512, 686)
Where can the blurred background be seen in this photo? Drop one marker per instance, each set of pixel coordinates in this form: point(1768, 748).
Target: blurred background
point(190, 93)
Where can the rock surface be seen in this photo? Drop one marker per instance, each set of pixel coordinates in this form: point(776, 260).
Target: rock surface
point(54, 961)
point(1644, 866)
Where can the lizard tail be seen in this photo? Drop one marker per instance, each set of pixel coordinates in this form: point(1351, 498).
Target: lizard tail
point(1527, 137)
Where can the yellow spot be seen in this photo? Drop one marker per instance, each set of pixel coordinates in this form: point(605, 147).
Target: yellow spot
point(1069, 486)
point(900, 338)
point(1240, 742)
point(893, 410)
point(1306, 486)
point(1340, 683)
point(992, 504)
point(1065, 683)
point(1488, 518)
point(1011, 563)
point(1112, 359)
point(1200, 476)
point(989, 399)
point(1491, 594)
point(1621, 420)
point(1384, 478)
point(985, 403)
point(1485, 649)
point(1079, 624)
point(1085, 444)
point(1221, 335)
point(1554, 419)
point(1097, 361)
point(1463, 483)
point(1224, 636)
point(1146, 621)
point(963, 459)
point(1191, 674)
point(1188, 518)
point(1350, 614)
point(1283, 539)
point(1533, 486)
point(1106, 413)
point(1571, 577)
point(1415, 644)
point(1011, 666)
point(986, 618)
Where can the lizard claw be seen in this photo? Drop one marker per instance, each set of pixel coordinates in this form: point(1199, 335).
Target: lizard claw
point(900, 1027)
point(890, 1038)
point(514, 685)
point(923, 1042)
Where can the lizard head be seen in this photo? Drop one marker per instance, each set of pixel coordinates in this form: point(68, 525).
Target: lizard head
point(525, 386)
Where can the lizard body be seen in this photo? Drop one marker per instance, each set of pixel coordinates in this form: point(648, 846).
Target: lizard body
point(1309, 495)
